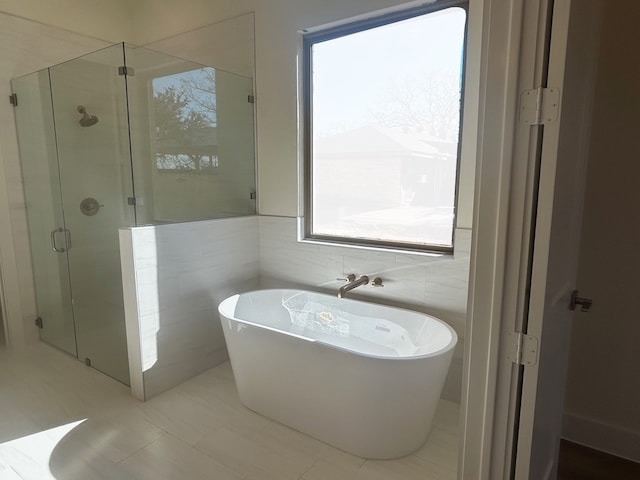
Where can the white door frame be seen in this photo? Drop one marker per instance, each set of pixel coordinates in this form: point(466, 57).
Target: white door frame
point(513, 50)
point(513, 187)
point(573, 52)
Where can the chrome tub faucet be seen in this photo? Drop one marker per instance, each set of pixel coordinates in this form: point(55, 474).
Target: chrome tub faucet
point(352, 283)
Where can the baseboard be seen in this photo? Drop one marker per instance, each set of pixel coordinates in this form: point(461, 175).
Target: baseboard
point(605, 437)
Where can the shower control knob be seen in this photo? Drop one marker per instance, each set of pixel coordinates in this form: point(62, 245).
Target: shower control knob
point(90, 206)
point(349, 278)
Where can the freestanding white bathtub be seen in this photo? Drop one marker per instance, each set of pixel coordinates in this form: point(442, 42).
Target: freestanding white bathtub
point(364, 378)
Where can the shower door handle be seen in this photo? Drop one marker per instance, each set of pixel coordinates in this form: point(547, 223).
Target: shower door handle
point(53, 240)
point(67, 239)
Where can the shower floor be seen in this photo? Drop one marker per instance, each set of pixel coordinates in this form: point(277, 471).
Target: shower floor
point(62, 420)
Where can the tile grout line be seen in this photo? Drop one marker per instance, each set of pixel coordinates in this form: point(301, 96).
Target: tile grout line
point(301, 477)
point(132, 454)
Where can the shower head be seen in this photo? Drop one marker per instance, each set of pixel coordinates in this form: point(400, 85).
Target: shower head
point(86, 120)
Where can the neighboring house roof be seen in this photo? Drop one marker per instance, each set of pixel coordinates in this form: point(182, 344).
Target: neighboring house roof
point(376, 140)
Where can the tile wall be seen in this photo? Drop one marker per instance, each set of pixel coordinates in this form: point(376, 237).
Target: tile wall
point(436, 285)
point(174, 277)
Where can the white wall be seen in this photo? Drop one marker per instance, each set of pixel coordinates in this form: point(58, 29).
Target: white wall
point(603, 393)
point(227, 44)
point(95, 19)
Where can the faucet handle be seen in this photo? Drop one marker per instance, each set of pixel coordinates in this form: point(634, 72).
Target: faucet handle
point(351, 277)
point(377, 282)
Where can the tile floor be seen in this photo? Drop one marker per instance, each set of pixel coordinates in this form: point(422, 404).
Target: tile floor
point(62, 420)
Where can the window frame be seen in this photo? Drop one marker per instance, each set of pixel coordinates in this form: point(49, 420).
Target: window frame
point(309, 39)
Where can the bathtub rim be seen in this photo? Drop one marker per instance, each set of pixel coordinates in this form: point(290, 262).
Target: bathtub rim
point(442, 351)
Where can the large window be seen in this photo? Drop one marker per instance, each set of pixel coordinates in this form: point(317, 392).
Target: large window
point(382, 128)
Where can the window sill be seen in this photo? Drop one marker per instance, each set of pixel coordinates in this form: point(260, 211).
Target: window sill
point(374, 248)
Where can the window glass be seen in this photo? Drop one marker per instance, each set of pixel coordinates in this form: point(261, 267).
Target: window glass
point(383, 126)
point(185, 121)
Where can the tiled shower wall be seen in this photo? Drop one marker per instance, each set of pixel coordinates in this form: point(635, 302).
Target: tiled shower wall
point(175, 276)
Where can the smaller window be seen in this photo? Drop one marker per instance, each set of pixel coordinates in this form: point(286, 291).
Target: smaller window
point(382, 127)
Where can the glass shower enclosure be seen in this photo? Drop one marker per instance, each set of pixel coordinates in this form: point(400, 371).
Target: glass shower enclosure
point(124, 136)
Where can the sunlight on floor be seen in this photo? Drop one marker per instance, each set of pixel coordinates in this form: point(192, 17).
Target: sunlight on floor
point(29, 456)
point(61, 420)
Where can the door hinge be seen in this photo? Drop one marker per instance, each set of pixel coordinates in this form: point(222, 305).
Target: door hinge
point(523, 349)
point(131, 201)
point(539, 106)
point(13, 99)
point(252, 195)
point(251, 98)
point(39, 322)
point(124, 71)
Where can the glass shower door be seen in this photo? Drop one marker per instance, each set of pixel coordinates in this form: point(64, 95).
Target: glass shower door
point(36, 137)
point(92, 134)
